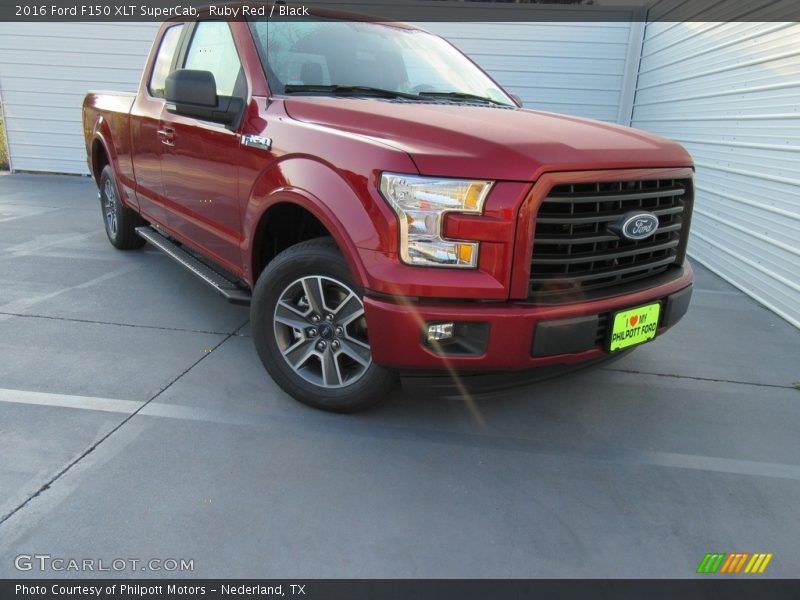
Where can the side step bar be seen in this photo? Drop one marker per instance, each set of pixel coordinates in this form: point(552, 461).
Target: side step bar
point(223, 285)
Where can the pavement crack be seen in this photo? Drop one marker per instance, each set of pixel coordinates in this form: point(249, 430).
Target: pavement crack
point(694, 378)
point(46, 486)
point(75, 320)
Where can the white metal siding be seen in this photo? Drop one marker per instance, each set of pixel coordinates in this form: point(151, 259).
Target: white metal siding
point(45, 71)
point(575, 68)
point(730, 92)
point(46, 68)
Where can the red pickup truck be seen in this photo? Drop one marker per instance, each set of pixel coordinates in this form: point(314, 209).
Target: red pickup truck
point(384, 206)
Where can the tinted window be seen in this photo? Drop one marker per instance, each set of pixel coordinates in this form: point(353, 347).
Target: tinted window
point(212, 49)
point(164, 59)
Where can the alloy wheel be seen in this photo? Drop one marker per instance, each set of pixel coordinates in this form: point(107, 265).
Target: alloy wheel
point(110, 206)
point(321, 331)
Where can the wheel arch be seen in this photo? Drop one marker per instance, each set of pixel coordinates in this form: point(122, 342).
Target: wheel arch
point(290, 218)
point(100, 156)
point(303, 192)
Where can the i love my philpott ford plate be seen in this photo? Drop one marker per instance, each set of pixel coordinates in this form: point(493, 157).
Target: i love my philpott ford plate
point(634, 326)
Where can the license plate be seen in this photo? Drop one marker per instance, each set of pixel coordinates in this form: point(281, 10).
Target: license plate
point(634, 326)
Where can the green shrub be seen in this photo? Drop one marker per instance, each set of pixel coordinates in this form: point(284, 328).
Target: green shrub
point(3, 149)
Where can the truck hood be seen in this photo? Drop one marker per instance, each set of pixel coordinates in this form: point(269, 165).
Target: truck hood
point(457, 140)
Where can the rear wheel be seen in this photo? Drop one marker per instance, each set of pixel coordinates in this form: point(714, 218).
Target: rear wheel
point(310, 330)
point(120, 222)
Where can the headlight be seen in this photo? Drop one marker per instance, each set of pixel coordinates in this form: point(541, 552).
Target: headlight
point(420, 204)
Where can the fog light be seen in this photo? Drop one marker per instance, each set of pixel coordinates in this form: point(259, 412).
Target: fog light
point(440, 331)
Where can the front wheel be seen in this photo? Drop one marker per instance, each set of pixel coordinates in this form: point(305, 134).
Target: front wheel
point(310, 330)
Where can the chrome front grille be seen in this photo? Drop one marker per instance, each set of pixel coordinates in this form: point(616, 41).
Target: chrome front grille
point(575, 252)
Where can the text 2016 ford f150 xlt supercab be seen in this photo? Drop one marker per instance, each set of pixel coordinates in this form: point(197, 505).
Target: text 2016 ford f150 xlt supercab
point(384, 206)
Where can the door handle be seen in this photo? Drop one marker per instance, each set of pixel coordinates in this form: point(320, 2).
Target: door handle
point(167, 136)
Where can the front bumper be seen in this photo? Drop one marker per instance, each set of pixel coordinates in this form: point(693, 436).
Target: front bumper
point(510, 335)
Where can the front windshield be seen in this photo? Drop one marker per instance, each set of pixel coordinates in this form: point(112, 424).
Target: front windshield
point(309, 55)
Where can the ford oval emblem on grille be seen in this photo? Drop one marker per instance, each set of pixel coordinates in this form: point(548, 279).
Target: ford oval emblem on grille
point(635, 225)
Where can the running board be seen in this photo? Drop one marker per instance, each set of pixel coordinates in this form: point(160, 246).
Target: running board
point(223, 285)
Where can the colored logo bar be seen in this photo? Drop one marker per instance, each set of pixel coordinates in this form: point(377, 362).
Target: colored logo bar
point(720, 562)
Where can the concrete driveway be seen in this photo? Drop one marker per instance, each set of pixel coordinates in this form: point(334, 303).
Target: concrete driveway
point(136, 422)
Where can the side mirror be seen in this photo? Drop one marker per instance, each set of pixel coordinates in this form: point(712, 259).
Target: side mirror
point(194, 88)
point(194, 94)
point(517, 100)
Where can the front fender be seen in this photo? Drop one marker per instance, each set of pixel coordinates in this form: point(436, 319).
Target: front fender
point(360, 223)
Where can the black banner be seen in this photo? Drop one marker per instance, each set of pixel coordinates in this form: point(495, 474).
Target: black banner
point(410, 11)
point(713, 587)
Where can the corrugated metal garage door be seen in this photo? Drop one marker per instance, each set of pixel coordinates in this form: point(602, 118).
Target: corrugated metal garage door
point(45, 71)
point(46, 68)
point(730, 92)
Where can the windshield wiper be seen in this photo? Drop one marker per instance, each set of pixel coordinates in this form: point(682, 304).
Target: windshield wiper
point(364, 90)
point(463, 96)
point(347, 90)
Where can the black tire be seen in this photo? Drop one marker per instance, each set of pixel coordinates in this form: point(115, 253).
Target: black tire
point(120, 221)
point(293, 321)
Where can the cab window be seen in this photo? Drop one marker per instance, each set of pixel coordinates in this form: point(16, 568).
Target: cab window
point(164, 60)
point(213, 49)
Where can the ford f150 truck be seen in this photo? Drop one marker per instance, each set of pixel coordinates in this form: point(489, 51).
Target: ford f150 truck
point(384, 206)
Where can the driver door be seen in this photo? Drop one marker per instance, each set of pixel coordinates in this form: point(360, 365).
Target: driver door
point(200, 159)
